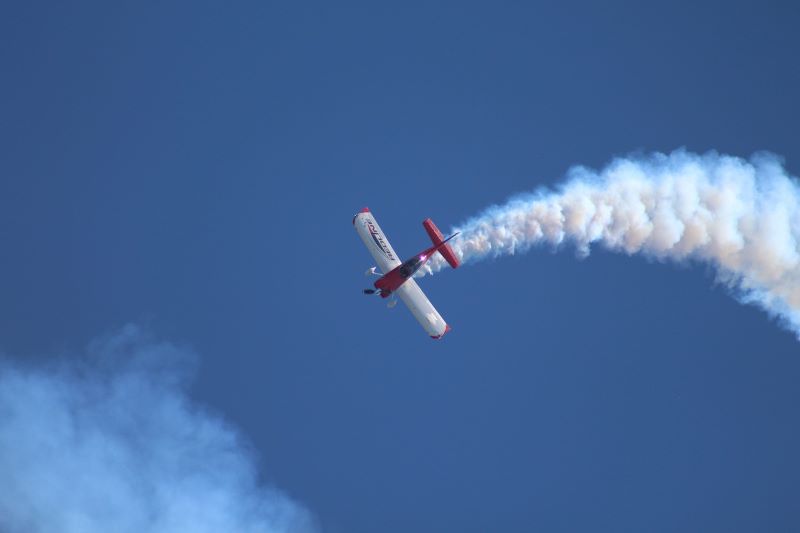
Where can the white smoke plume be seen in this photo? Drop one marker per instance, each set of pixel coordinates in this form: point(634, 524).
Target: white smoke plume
point(740, 216)
point(111, 443)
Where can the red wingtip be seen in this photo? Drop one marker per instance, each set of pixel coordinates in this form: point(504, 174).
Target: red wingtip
point(446, 329)
point(365, 210)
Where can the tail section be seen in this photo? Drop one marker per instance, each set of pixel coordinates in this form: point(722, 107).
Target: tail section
point(437, 238)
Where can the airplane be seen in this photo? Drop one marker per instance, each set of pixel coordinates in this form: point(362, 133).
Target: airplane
point(397, 277)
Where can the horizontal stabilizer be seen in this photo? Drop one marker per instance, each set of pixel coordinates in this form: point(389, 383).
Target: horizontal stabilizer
point(437, 238)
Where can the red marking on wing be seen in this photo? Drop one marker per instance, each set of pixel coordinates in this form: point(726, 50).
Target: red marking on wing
point(446, 329)
point(365, 210)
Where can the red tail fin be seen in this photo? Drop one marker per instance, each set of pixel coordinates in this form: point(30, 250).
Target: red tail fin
point(437, 238)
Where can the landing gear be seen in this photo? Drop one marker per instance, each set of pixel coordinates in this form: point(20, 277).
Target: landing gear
point(379, 292)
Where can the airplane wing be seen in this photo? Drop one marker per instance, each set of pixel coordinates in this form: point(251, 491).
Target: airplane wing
point(416, 301)
point(375, 241)
point(422, 309)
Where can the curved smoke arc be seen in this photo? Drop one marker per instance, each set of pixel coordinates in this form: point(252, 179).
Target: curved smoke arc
point(740, 216)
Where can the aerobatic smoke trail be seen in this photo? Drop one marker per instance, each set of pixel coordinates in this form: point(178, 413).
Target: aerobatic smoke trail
point(742, 217)
point(112, 442)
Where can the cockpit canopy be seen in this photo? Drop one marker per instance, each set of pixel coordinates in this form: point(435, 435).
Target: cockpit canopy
point(408, 268)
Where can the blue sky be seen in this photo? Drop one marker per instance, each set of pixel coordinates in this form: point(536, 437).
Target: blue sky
point(194, 168)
